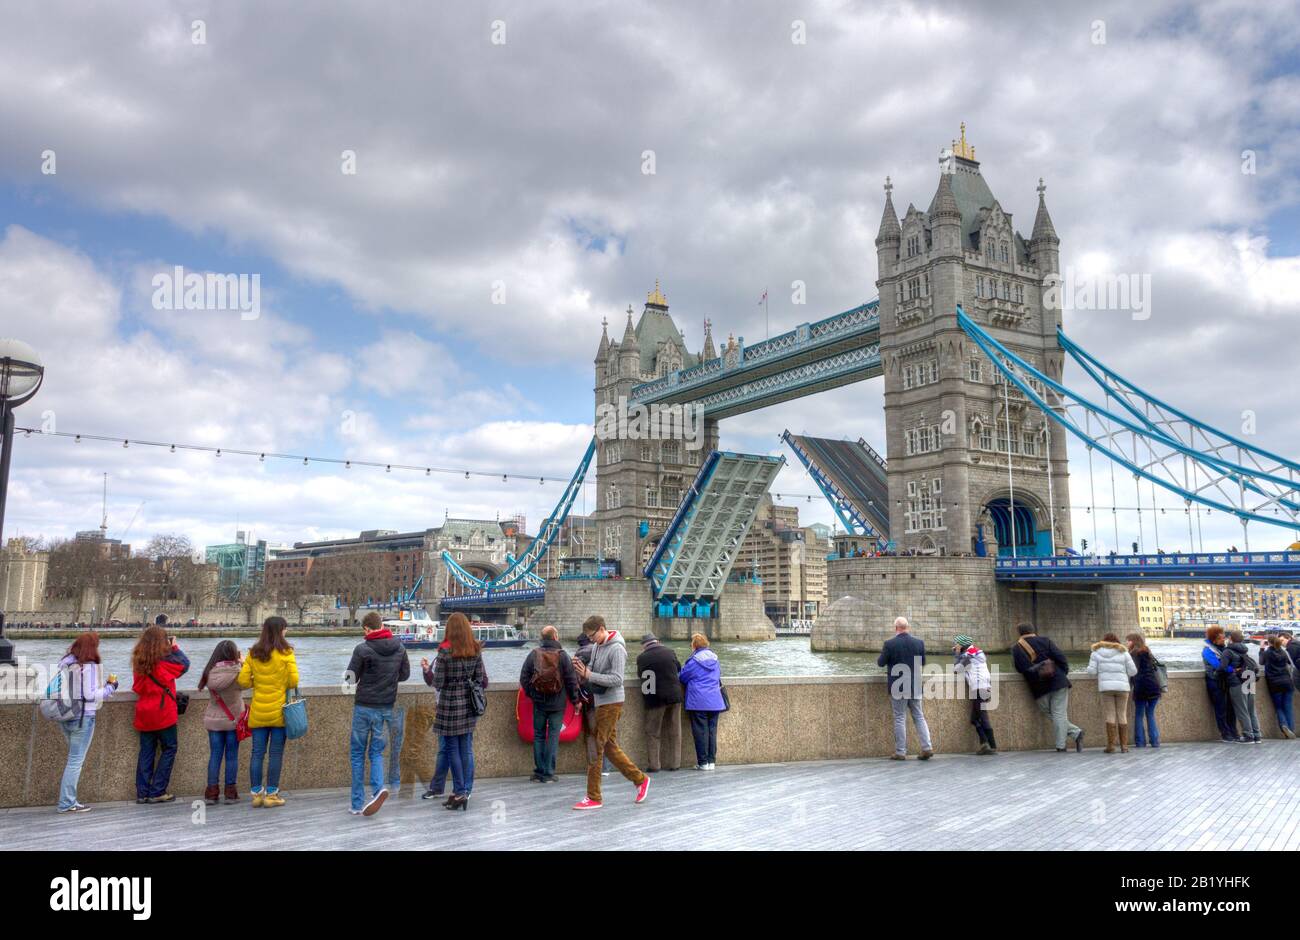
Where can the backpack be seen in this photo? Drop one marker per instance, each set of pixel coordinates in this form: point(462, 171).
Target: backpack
point(546, 676)
point(58, 703)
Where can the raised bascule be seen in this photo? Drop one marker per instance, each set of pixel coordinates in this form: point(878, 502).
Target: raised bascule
point(965, 522)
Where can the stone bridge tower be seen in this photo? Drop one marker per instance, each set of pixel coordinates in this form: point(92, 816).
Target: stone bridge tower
point(952, 425)
point(640, 479)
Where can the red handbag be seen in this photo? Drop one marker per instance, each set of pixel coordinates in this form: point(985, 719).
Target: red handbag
point(241, 723)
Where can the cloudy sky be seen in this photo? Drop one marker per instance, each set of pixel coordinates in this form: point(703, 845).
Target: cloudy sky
point(515, 168)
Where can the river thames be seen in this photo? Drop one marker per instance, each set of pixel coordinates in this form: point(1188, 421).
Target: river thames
point(322, 660)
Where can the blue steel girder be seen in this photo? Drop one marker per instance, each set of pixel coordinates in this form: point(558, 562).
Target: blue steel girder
point(523, 566)
point(1168, 462)
point(802, 361)
point(1208, 566)
point(1231, 452)
point(852, 520)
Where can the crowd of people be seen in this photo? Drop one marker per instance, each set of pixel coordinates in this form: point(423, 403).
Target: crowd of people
point(590, 684)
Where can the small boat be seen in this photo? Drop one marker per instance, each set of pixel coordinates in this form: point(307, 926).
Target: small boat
point(494, 635)
point(414, 628)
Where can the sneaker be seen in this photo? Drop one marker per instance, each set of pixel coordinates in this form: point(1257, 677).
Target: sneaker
point(259, 798)
point(701, 767)
point(375, 804)
point(1287, 732)
point(76, 808)
point(141, 799)
point(536, 778)
point(354, 812)
point(1257, 740)
point(587, 803)
point(430, 795)
point(1227, 740)
point(604, 773)
point(710, 766)
point(642, 790)
point(552, 779)
point(273, 799)
point(1078, 742)
point(1244, 740)
point(165, 798)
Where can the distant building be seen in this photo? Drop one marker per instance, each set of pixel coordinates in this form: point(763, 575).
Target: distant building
point(238, 563)
point(789, 560)
point(1151, 611)
point(22, 576)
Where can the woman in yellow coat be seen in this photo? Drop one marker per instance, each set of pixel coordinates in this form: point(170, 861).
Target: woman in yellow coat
point(270, 670)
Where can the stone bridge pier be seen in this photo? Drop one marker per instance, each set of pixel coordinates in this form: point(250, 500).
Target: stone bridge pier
point(945, 595)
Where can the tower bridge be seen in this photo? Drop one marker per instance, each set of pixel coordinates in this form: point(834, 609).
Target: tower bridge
point(972, 495)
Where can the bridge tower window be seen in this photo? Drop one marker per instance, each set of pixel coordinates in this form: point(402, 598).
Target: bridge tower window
point(612, 498)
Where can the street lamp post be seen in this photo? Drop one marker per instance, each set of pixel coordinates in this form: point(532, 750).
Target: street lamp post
point(21, 374)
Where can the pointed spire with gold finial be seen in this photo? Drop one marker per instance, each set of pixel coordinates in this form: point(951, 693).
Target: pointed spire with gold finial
point(962, 149)
point(656, 298)
point(709, 352)
point(603, 350)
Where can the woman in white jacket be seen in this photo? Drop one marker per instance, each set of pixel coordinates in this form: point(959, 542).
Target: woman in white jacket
point(1113, 665)
point(971, 663)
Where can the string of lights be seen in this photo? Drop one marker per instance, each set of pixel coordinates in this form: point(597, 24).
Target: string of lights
point(429, 470)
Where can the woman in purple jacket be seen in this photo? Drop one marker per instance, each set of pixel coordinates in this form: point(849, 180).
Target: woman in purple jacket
point(702, 677)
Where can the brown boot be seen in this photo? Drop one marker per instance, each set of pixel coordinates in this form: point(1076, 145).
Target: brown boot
point(1112, 735)
point(1123, 739)
point(210, 795)
point(232, 795)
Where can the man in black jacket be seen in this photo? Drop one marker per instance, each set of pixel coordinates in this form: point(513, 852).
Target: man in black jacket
point(1047, 672)
point(548, 679)
point(378, 666)
point(903, 656)
point(658, 668)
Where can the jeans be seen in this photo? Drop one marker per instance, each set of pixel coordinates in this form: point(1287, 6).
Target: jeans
point(264, 739)
point(1144, 722)
point(704, 729)
point(442, 767)
point(665, 720)
point(1056, 706)
point(1243, 703)
point(369, 736)
point(1219, 699)
point(396, 735)
point(151, 778)
point(222, 744)
point(546, 741)
point(607, 745)
point(460, 755)
point(979, 715)
point(78, 735)
point(1283, 705)
point(901, 707)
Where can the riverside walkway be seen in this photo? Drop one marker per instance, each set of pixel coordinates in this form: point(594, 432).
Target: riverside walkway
point(1183, 796)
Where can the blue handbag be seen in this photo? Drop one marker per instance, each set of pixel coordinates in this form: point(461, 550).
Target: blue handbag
point(295, 715)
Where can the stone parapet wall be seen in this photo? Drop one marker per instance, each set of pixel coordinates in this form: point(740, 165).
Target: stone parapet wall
point(771, 720)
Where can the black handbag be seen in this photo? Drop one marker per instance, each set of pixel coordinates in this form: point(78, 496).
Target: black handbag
point(182, 699)
point(726, 699)
point(477, 697)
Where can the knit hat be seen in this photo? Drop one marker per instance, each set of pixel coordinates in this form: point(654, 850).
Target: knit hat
point(962, 640)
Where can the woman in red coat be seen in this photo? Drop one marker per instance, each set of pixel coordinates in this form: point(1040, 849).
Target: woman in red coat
point(157, 662)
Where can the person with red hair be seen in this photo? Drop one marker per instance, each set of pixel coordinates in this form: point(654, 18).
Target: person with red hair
point(81, 667)
point(156, 662)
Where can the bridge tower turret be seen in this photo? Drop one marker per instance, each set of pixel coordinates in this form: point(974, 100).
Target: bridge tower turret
point(951, 426)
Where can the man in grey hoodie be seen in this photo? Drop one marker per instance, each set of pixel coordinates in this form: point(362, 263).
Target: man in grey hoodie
point(605, 673)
